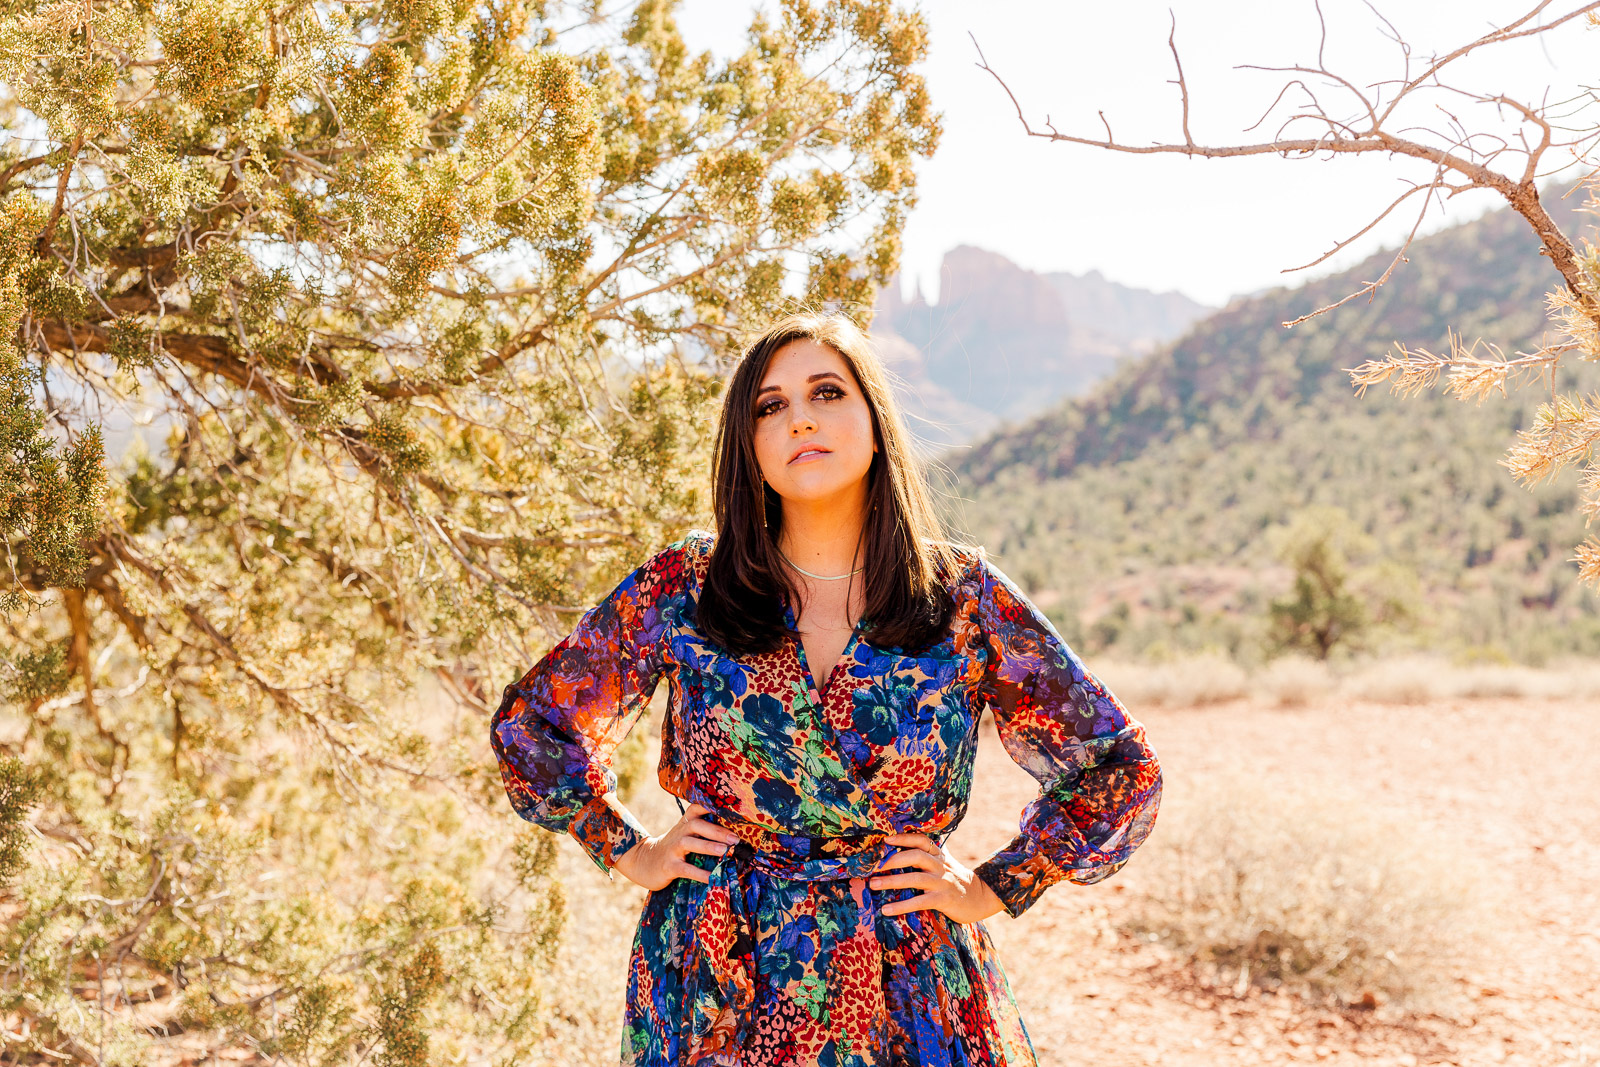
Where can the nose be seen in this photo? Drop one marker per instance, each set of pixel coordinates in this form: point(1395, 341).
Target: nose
point(801, 421)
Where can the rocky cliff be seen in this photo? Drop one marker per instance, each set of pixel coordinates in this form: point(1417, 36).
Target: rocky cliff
point(1005, 343)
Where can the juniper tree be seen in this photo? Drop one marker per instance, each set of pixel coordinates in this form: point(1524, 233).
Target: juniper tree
point(1333, 604)
point(419, 304)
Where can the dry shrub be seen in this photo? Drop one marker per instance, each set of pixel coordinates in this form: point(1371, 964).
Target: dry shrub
point(1578, 680)
point(1309, 891)
point(1293, 682)
point(1420, 679)
point(1481, 681)
point(1190, 682)
point(1405, 680)
point(1582, 678)
point(1202, 680)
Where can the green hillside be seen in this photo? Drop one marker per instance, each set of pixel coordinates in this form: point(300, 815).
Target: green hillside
point(1140, 516)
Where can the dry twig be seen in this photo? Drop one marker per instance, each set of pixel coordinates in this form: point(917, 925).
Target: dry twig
point(1462, 161)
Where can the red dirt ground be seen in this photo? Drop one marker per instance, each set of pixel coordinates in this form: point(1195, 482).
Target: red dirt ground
point(1515, 782)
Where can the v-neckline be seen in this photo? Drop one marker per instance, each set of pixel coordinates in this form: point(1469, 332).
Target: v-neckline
point(805, 664)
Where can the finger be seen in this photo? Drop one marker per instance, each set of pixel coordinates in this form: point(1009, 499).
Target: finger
point(694, 809)
point(920, 902)
point(702, 846)
point(709, 829)
point(693, 873)
point(911, 857)
point(911, 880)
point(921, 841)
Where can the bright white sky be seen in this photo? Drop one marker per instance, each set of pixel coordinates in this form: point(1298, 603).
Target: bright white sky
point(1210, 228)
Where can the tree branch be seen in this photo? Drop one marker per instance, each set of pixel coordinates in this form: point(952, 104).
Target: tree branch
point(43, 244)
point(1183, 86)
point(19, 167)
point(1462, 157)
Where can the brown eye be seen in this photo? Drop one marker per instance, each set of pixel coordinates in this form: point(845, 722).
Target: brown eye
point(766, 408)
point(828, 392)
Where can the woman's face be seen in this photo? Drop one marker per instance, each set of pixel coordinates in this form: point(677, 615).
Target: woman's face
point(814, 436)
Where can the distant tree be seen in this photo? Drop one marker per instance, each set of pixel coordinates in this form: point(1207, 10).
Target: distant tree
point(420, 303)
point(1321, 612)
point(1332, 604)
point(1422, 114)
point(1109, 627)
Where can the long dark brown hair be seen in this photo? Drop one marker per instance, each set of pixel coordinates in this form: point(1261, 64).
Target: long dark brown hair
point(906, 559)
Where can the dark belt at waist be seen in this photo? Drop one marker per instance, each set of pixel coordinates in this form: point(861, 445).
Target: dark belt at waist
point(805, 859)
point(719, 959)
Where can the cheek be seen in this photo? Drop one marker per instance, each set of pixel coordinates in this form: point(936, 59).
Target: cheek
point(858, 430)
point(769, 445)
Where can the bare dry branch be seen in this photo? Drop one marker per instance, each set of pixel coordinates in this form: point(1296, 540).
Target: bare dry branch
point(1372, 287)
point(1456, 150)
point(1339, 246)
point(1183, 85)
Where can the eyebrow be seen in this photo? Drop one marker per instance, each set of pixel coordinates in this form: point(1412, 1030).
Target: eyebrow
point(813, 378)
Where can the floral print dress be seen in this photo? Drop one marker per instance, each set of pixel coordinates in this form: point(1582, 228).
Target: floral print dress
point(785, 959)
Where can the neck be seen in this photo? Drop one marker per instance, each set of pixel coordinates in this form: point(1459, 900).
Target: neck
point(824, 536)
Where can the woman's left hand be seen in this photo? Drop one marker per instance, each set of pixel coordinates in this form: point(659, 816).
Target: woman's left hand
point(946, 885)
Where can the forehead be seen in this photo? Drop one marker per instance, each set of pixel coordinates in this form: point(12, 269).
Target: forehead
point(799, 359)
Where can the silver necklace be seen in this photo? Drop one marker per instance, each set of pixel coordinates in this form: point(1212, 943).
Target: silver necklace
point(818, 577)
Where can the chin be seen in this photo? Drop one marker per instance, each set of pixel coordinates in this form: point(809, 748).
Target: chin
point(816, 492)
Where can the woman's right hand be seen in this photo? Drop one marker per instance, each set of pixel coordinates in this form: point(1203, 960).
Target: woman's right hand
point(656, 862)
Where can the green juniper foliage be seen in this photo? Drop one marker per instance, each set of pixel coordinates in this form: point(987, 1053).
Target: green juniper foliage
point(416, 307)
point(50, 494)
point(19, 791)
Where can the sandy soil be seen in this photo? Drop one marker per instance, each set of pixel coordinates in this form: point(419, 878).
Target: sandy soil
point(1514, 783)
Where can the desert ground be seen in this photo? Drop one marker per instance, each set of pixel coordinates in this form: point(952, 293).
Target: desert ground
point(1509, 782)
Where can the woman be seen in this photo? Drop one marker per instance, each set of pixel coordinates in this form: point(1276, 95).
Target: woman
point(829, 655)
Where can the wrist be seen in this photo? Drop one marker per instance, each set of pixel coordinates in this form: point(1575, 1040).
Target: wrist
point(981, 901)
point(994, 879)
point(990, 902)
point(625, 862)
point(607, 830)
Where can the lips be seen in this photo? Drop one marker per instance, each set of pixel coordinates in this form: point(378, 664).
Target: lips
point(807, 451)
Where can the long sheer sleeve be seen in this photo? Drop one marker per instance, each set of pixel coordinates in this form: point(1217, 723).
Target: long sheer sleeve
point(557, 728)
point(1100, 781)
